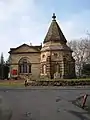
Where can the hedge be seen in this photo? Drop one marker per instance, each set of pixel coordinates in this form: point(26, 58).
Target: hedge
point(61, 83)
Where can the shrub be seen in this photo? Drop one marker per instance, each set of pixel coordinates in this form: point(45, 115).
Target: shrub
point(61, 83)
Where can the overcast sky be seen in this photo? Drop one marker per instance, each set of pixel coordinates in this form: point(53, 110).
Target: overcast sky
point(27, 21)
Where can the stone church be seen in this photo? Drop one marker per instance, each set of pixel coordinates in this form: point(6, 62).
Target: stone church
point(51, 60)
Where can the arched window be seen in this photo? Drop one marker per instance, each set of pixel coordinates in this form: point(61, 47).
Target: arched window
point(24, 66)
point(43, 56)
point(44, 69)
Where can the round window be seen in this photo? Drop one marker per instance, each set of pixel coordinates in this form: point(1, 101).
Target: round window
point(43, 56)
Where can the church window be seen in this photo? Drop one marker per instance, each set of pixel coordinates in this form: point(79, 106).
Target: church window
point(44, 69)
point(24, 66)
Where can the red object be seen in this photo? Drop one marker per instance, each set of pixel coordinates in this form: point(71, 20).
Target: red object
point(84, 100)
point(14, 72)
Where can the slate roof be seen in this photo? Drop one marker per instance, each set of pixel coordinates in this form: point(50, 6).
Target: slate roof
point(54, 32)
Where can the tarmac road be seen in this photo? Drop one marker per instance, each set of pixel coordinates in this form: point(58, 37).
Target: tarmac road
point(44, 103)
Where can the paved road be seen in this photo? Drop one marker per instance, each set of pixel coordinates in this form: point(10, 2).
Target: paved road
point(44, 103)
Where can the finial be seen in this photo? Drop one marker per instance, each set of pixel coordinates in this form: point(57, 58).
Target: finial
point(54, 16)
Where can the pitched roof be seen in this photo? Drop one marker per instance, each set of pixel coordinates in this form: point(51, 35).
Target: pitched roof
point(35, 47)
point(54, 33)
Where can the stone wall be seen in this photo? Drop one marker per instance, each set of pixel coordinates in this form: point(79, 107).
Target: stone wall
point(34, 59)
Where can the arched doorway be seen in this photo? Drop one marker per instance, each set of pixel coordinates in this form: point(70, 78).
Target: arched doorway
point(56, 70)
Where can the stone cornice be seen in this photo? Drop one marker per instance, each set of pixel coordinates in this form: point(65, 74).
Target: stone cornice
point(24, 52)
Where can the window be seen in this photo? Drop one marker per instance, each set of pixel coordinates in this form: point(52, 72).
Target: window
point(44, 69)
point(24, 66)
point(43, 56)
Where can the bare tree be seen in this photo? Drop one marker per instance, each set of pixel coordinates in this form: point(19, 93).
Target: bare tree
point(81, 52)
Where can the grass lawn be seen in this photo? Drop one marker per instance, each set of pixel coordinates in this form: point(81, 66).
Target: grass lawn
point(11, 83)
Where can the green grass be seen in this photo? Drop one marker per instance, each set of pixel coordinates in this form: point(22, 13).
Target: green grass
point(11, 84)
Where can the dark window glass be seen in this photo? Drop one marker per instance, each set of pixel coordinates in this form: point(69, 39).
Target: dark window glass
point(24, 66)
